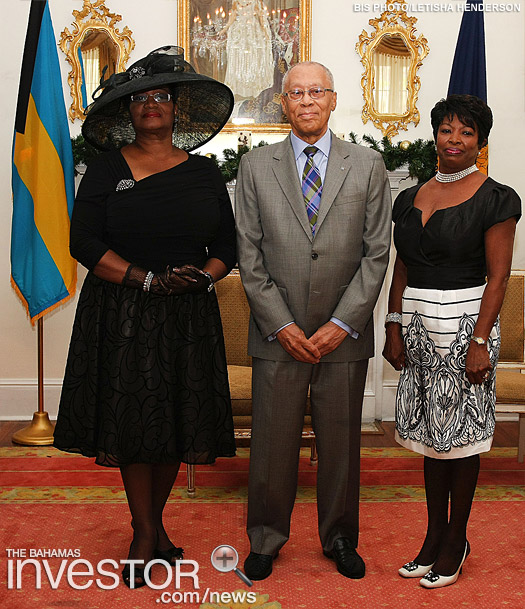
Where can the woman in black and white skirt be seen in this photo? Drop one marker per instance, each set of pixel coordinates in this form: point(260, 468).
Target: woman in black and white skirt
point(454, 237)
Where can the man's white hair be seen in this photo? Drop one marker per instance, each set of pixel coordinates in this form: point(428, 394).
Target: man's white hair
point(329, 74)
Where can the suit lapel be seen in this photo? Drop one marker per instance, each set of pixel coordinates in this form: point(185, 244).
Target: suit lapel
point(285, 170)
point(336, 172)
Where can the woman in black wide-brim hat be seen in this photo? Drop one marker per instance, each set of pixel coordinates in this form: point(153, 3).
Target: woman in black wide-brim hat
point(146, 382)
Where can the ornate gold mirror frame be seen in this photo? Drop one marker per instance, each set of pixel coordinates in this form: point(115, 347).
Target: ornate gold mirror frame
point(93, 18)
point(399, 24)
point(224, 39)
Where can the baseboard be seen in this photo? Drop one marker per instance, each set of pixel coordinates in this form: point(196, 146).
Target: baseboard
point(371, 428)
point(19, 398)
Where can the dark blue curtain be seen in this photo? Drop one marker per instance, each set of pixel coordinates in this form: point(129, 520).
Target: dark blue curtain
point(469, 72)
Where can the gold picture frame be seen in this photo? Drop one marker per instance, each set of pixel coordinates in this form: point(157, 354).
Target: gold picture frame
point(98, 23)
point(391, 25)
point(272, 34)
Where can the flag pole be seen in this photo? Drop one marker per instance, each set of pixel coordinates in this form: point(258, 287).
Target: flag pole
point(40, 431)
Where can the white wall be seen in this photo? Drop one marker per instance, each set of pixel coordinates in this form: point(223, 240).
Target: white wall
point(335, 29)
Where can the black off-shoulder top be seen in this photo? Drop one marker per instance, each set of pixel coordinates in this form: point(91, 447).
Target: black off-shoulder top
point(449, 251)
point(177, 216)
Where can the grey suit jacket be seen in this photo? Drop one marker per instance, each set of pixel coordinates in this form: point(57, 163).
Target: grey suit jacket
point(289, 275)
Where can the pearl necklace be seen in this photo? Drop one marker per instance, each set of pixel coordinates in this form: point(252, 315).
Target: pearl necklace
point(453, 177)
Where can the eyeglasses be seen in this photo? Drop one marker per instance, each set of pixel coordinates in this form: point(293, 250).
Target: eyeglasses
point(142, 98)
point(314, 93)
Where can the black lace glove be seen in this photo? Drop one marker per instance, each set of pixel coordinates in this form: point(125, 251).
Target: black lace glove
point(183, 280)
point(163, 284)
point(198, 280)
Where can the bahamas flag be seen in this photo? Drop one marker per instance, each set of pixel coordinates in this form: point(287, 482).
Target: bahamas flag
point(42, 271)
point(83, 77)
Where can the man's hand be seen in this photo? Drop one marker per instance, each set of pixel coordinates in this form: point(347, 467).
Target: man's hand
point(328, 337)
point(294, 341)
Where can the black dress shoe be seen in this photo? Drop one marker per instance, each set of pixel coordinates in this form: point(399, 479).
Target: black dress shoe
point(171, 555)
point(348, 561)
point(259, 566)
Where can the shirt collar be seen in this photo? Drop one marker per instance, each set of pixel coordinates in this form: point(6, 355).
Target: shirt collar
point(324, 144)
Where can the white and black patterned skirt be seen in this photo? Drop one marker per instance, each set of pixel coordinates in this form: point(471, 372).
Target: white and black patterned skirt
point(439, 413)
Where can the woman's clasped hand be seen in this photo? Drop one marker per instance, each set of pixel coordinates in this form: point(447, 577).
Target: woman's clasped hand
point(187, 279)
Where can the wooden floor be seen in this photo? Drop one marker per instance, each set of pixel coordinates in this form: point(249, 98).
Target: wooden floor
point(506, 434)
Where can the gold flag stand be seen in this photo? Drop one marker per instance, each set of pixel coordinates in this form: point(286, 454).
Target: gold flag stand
point(40, 431)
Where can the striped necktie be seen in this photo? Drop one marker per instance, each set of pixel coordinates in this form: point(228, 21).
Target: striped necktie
point(312, 187)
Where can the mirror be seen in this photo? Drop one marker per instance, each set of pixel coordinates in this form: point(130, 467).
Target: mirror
point(97, 50)
point(391, 60)
point(391, 56)
point(95, 44)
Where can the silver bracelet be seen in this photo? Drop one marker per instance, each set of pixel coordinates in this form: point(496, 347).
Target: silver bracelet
point(212, 283)
point(395, 318)
point(147, 281)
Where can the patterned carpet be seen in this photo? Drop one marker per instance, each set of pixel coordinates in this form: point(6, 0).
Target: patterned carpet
point(53, 503)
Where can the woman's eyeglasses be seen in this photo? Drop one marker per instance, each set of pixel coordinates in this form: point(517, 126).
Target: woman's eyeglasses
point(142, 98)
point(314, 93)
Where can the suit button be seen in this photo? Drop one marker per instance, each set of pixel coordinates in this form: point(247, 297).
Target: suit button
point(315, 255)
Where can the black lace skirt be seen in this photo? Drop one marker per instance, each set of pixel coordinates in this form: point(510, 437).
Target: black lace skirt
point(146, 379)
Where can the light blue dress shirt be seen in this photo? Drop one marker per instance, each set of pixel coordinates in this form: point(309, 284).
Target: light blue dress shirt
point(321, 161)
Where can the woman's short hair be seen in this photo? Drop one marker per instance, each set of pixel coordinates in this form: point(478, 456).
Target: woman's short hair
point(470, 110)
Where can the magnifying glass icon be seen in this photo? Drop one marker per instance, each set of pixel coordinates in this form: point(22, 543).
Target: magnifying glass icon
point(224, 559)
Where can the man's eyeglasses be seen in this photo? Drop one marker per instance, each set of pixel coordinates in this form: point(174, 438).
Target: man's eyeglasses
point(142, 98)
point(314, 93)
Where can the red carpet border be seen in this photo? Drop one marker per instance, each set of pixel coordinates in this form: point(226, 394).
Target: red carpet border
point(52, 500)
point(44, 474)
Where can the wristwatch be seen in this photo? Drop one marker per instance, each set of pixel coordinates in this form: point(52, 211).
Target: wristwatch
point(478, 339)
point(212, 283)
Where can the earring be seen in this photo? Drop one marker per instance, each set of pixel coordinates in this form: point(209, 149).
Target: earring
point(174, 130)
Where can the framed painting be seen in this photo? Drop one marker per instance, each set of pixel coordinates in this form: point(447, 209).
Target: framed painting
point(248, 45)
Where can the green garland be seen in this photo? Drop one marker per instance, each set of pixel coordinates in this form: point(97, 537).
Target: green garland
point(232, 158)
point(420, 155)
point(83, 152)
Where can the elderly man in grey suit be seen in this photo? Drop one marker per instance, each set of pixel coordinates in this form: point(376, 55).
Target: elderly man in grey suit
point(313, 219)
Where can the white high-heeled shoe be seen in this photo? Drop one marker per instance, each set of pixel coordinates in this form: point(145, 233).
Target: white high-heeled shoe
point(434, 580)
point(414, 569)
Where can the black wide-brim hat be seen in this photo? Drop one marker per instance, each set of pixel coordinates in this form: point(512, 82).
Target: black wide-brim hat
point(204, 105)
